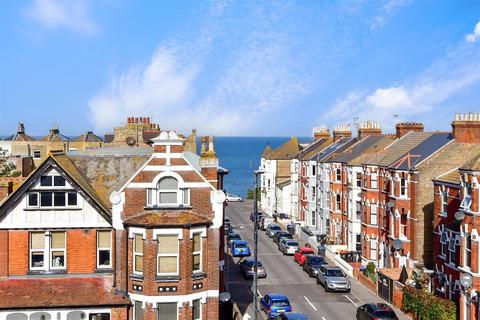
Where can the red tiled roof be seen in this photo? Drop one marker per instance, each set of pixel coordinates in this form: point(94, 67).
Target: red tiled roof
point(66, 292)
point(151, 218)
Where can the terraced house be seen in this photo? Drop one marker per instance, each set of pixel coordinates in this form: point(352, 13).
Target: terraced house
point(115, 233)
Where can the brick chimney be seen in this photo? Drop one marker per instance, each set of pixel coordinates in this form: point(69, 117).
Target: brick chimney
point(369, 128)
point(342, 131)
point(209, 160)
point(320, 132)
point(466, 127)
point(405, 127)
point(6, 187)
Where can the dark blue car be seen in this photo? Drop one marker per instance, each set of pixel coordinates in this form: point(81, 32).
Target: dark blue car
point(292, 316)
point(240, 248)
point(274, 304)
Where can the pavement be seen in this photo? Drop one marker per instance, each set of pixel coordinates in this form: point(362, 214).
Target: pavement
point(287, 277)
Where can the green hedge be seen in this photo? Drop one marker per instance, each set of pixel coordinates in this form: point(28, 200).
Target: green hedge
point(426, 306)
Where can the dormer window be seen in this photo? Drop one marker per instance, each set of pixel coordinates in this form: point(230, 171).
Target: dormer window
point(168, 194)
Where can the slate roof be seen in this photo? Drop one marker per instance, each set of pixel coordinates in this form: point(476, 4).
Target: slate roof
point(19, 136)
point(356, 149)
point(108, 137)
point(315, 147)
point(54, 136)
point(58, 292)
point(88, 136)
point(286, 151)
point(429, 146)
point(398, 148)
point(336, 147)
point(452, 177)
point(379, 146)
point(167, 218)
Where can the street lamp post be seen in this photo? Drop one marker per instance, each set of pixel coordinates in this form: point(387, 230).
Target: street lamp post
point(255, 244)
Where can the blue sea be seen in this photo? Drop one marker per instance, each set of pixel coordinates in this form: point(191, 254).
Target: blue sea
point(241, 156)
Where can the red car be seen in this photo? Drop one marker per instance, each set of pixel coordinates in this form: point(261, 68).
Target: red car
point(300, 254)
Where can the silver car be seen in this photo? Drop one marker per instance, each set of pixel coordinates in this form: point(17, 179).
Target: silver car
point(333, 279)
point(288, 246)
point(272, 229)
point(246, 268)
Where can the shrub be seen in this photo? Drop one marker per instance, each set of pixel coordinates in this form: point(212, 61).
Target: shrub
point(370, 272)
point(426, 306)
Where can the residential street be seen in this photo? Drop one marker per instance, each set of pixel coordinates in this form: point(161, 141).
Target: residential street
point(285, 276)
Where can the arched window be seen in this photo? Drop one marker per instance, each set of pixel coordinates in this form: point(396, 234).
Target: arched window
point(17, 316)
point(168, 193)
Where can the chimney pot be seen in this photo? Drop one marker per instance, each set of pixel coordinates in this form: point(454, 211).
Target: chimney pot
point(466, 127)
point(369, 128)
point(136, 119)
point(403, 128)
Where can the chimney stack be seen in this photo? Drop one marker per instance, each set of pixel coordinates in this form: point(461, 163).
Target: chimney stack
point(342, 131)
point(369, 128)
point(321, 132)
point(466, 127)
point(405, 127)
point(209, 160)
point(6, 187)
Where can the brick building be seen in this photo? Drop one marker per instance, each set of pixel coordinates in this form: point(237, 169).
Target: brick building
point(115, 233)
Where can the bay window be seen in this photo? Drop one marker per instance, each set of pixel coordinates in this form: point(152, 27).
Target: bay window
point(167, 311)
point(403, 187)
point(197, 252)
point(373, 214)
point(104, 249)
point(167, 255)
point(138, 254)
point(373, 181)
point(196, 310)
point(373, 249)
point(444, 202)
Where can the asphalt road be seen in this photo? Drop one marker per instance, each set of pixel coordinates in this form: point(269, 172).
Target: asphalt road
point(285, 276)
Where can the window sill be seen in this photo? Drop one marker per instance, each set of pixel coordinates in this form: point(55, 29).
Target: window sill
point(199, 275)
point(52, 209)
point(168, 278)
point(103, 270)
point(137, 277)
point(169, 207)
point(42, 272)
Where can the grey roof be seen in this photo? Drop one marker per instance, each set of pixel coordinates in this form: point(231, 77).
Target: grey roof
point(193, 158)
point(113, 151)
point(423, 150)
point(356, 149)
point(108, 137)
point(338, 146)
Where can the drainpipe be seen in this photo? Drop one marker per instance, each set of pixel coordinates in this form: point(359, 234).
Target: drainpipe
point(115, 264)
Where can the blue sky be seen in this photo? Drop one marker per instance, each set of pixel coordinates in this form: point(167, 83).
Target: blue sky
point(237, 67)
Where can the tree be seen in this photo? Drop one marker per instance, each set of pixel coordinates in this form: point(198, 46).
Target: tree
point(7, 169)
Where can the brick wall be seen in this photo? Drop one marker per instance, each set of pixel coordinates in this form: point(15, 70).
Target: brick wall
point(3, 253)
point(18, 252)
point(81, 251)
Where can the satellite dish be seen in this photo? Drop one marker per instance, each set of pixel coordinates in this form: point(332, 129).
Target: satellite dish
point(459, 215)
point(466, 280)
point(115, 198)
point(397, 244)
point(224, 296)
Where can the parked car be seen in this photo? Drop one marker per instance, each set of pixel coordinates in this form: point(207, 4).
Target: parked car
point(233, 237)
point(287, 246)
point(228, 229)
point(333, 279)
point(264, 222)
point(226, 220)
point(247, 270)
point(292, 316)
point(275, 303)
point(233, 198)
point(240, 248)
point(272, 229)
point(380, 311)
point(312, 263)
point(281, 234)
point(301, 253)
point(259, 216)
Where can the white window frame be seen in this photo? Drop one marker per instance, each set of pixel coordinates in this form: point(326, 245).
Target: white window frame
point(443, 243)
point(177, 255)
point(51, 250)
point(313, 218)
point(134, 308)
point(403, 188)
point(338, 175)
point(444, 198)
point(373, 249)
point(338, 205)
point(467, 200)
point(173, 303)
point(199, 233)
point(466, 249)
point(374, 180)
point(136, 253)
point(46, 262)
point(38, 199)
point(35, 154)
point(47, 252)
point(109, 266)
point(373, 213)
point(182, 194)
point(452, 249)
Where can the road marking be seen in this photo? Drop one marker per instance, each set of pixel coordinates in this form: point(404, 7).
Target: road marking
point(348, 298)
point(323, 318)
point(259, 294)
point(311, 304)
point(353, 294)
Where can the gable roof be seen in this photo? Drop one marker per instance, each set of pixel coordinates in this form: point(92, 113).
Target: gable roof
point(54, 135)
point(63, 164)
point(380, 145)
point(88, 136)
point(452, 177)
point(423, 150)
point(286, 151)
point(336, 147)
point(314, 148)
point(267, 151)
point(398, 148)
point(472, 165)
point(356, 149)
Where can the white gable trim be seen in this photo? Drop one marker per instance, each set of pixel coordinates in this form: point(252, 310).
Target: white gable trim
point(202, 230)
point(135, 230)
point(177, 231)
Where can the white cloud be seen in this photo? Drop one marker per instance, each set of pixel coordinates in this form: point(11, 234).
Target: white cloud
point(387, 11)
point(475, 35)
point(421, 96)
point(56, 14)
point(256, 78)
